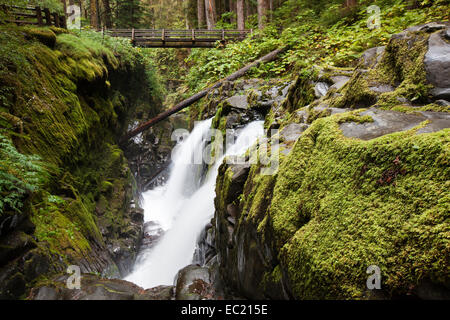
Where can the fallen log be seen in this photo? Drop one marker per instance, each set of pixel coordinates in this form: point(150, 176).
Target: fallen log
point(185, 103)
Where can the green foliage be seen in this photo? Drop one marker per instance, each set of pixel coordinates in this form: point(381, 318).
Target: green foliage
point(19, 175)
point(210, 65)
point(110, 47)
point(224, 21)
point(129, 14)
point(68, 103)
point(316, 33)
point(53, 5)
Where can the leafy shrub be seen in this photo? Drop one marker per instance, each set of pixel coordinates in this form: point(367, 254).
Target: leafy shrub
point(317, 33)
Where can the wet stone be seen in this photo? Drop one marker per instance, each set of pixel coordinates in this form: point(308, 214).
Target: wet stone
point(387, 121)
point(320, 89)
point(238, 101)
point(292, 131)
point(339, 82)
point(437, 66)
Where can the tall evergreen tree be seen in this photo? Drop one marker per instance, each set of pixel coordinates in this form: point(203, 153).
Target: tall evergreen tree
point(240, 14)
point(129, 14)
point(263, 6)
point(210, 6)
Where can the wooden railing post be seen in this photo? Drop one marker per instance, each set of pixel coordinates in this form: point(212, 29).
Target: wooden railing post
point(223, 35)
point(39, 15)
point(193, 35)
point(133, 36)
point(56, 19)
point(63, 22)
point(48, 17)
point(163, 35)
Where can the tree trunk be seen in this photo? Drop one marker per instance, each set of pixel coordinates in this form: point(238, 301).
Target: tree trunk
point(247, 9)
point(64, 6)
point(210, 6)
point(108, 14)
point(350, 3)
point(201, 13)
point(94, 14)
point(185, 103)
point(271, 9)
point(262, 13)
point(240, 15)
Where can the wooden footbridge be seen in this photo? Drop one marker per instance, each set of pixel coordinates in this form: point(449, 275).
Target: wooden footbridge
point(167, 38)
point(147, 38)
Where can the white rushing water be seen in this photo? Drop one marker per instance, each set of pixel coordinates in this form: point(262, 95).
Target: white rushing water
point(183, 206)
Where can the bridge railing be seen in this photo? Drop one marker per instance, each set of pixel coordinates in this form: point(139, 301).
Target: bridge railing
point(179, 35)
point(32, 16)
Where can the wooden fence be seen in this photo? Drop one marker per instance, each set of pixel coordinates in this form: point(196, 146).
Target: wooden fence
point(178, 38)
point(33, 16)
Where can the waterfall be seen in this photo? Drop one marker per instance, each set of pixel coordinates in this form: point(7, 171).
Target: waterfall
point(184, 205)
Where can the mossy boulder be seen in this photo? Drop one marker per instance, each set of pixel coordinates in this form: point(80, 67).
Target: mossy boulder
point(336, 206)
point(93, 287)
point(44, 35)
point(355, 187)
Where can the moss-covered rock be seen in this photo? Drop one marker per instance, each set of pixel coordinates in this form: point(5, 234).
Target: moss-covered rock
point(64, 97)
point(337, 206)
point(353, 189)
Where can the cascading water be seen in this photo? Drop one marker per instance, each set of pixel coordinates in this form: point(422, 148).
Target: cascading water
point(184, 205)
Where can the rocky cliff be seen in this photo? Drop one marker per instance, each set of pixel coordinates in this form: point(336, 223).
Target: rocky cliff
point(363, 180)
point(67, 99)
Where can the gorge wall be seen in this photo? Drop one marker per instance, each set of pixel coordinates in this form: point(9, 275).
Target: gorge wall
point(67, 99)
point(362, 180)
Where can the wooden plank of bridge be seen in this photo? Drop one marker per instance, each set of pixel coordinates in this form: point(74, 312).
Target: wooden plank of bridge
point(185, 103)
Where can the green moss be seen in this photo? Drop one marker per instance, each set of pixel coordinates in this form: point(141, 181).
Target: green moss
point(301, 93)
point(44, 35)
point(355, 93)
point(341, 205)
point(257, 194)
point(68, 103)
point(62, 234)
point(338, 205)
point(409, 109)
point(356, 117)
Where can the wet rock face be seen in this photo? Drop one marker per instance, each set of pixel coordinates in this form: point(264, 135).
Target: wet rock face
point(21, 261)
point(437, 64)
point(321, 89)
point(386, 122)
point(292, 131)
point(194, 283)
point(248, 99)
point(149, 152)
point(371, 57)
point(93, 287)
point(259, 252)
point(205, 250)
point(152, 234)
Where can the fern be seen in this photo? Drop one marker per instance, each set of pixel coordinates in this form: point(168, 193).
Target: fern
point(19, 175)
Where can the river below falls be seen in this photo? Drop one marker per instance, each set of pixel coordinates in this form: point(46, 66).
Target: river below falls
point(182, 207)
